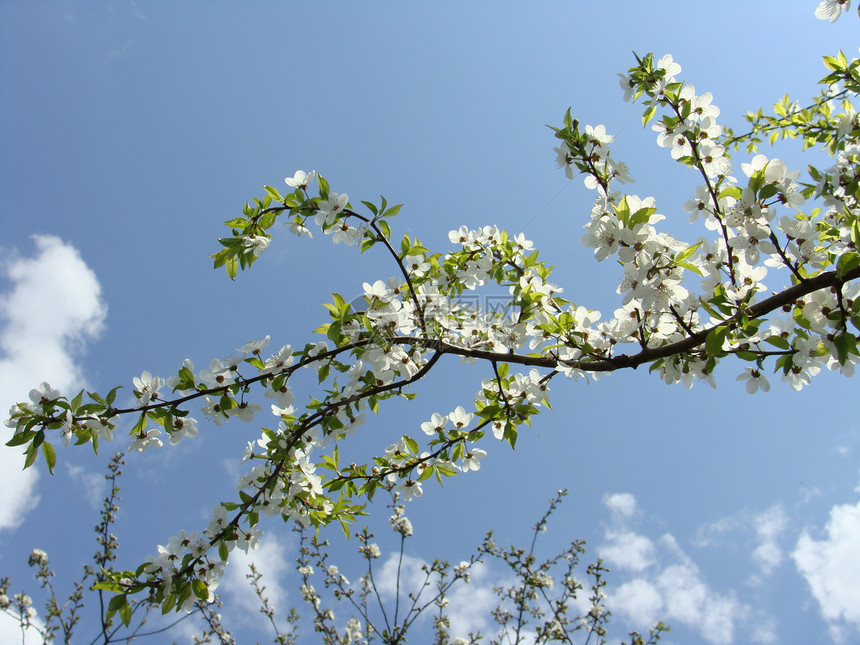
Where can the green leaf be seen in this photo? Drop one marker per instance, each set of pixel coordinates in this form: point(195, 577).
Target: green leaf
point(715, 339)
point(339, 302)
point(767, 191)
point(641, 216)
point(841, 343)
point(111, 396)
point(268, 219)
point(778, 341)
point(223, 256)
point(411, 444)
point(200, 589)
point(256, 362)
point(368, 240)
point(385, 229)
point(116, 602)
point(140, 425)
point(32, 451)
point(232, 266)
point(50, 456)
point(732, 191)
point(75, 403)
point(691, 267)
point(831, 63)
point(274, 193)
point(416, 249)
point(95, 396)
point(648, 115)
point(391, 212)
point(120, 604)
point(511, 434)
point(847, 262)
point(622, 210)
point(334, 332)
point(168, 603)
point(324, 187)
point(125, 614)
point(686, 253)
point(20, 438)
point(323, 371)
point(238, 222)
point(108, 585)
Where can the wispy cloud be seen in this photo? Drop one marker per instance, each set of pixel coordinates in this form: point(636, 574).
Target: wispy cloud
point(51, 310)
point(136, 11)
point(94, 484)
point(769, 527)
point(121, 52)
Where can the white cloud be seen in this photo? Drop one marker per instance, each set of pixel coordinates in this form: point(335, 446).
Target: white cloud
point(623, 503)
point(639, 600)
point(688, 600)
point(470, 604)
point(271, 561)
point(53, 307)
point(668, 586)
point(763, 630)
point(628, 550)
point(10, 631)
point(412, 575)
point(831, 566)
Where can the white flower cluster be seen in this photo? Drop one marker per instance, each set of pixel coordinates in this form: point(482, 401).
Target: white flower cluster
point(169, 560)
point(43, 400)
point(399, 522)
point(221, 374)
point(659, 307)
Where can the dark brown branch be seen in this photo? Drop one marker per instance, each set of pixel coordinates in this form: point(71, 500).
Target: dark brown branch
point(647, 355)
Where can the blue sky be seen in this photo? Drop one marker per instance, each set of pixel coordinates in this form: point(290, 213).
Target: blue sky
point(132, 131)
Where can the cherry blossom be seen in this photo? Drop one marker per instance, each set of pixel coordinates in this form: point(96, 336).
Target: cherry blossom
point(147, 387)
point(754, 380)
point(460, 418)
point(435, 425)
point(219, 374)
point(44, 394)
point(183, 427)
point(472, 459)
point(146, 439)
point(301, 180)
point(831, 9)
point(330, 208)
